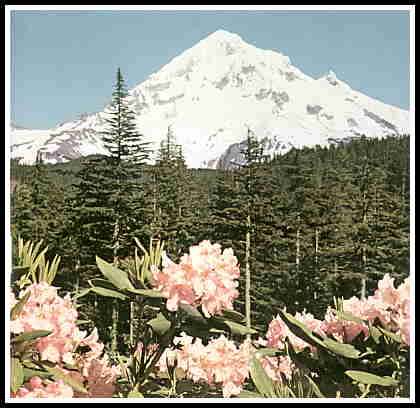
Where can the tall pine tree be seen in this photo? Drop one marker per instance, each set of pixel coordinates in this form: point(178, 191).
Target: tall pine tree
point(109, 199)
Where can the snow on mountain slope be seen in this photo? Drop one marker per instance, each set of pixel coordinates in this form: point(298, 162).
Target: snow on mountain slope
point(213, 92)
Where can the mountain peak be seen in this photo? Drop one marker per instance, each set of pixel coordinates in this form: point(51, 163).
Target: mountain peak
point(211, 91)
point(223, 35)
point(221, 39)
point(331, 79)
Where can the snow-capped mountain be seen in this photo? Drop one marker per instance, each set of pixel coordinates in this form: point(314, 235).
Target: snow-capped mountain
point(212, 93)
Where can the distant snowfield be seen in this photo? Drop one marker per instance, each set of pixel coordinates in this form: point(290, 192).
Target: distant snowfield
point(25, 143)
point(212, 93)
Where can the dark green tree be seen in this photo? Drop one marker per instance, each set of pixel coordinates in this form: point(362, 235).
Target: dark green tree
point(108, 197)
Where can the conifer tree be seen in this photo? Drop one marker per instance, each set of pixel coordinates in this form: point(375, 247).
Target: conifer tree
point(172, 213)
point(108, 197)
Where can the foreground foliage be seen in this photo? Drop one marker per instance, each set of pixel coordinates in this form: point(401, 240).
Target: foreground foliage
point(189, 338)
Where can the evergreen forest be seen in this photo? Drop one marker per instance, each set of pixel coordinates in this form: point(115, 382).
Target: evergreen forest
point(306, 226)
point(317, 222)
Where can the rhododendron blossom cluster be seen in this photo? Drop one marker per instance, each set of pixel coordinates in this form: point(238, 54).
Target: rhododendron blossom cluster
point(220, 361)
point(46, 310)
point(206, 276)
point(278, 331)
point(388, 304)
point(36, 389)
point(276, 336)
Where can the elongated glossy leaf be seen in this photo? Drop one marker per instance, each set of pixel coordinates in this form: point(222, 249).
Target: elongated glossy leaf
point(391, 335)
point(314, 387)
point(374, 332)
point(261, 380)
point(18, 307)
point(59, 375)
point(270, 352)
point(368, 378)
point(348, 316)
point(16, 371)
point(20, 270)
point(249, 394)
point(159, 324)
point(83, 321)
point(82, 293)
point(146, 292)
point(115, 275)
point(195, 330)
point(108, 292)
point(300, 330)
point(103, 283)
point(32, 335)
point(233, 315)
point(235, 328)
point(345, 350)
point(194, 314)
point(135, 394)
point(28, 373)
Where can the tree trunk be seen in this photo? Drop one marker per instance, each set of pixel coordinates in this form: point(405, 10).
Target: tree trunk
point(132, 314)
point(298, 245)
point(114, 332)
point(316, 246)
point(364, 261)
point(248, 276)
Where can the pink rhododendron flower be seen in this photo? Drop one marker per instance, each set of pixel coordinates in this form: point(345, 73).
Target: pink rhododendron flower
point(34, 388)
point(278, 331)
point(45, 310)
point(276, 366)
point(388, 304)
point(206, 276)
point(219, 362)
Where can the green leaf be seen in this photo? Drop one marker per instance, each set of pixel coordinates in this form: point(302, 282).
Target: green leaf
point(83, 321)
point(345, 350)
point(146, 292)
point(59, 375)
point(195, 330)
point(83, 292)
point(115, 275)
point(233, 315)
point(300, 330)
point(135, 394)
point(269, 352)
point(236, 328)
point(249, 394)
point(368, 378)
point(20, 270)
point(18, 307)
point(32, 335)
point(374, 332)
point(348, 316)
point(314, 387)
point(28, 373)
point(390, 335)
point(191, 311)
point(159, 324)
point(228, 325)
point(17, 376)
point(108, 292)
point(261, 380)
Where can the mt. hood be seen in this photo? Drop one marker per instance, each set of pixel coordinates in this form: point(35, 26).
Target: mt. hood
point(211, 94)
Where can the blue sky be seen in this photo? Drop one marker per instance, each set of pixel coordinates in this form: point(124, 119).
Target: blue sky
point(63, 63)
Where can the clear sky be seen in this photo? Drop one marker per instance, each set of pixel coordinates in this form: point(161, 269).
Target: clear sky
point(64, 63)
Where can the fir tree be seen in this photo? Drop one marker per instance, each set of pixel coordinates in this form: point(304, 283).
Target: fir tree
point(108, 199)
